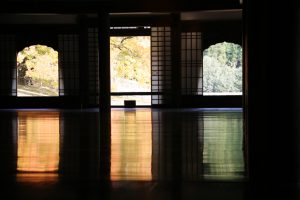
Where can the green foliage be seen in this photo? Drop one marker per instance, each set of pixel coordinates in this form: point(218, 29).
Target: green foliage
point(222, 68)
point(130, 61)
point(229, 54)
point(42, 49)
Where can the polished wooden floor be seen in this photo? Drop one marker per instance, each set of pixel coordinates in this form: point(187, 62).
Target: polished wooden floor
point(137, 153)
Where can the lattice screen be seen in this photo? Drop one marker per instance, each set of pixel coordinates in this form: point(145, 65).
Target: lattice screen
point(160, 64)
point(93, 69)
point(191, 63)
point(8, 75)
point(68, 64)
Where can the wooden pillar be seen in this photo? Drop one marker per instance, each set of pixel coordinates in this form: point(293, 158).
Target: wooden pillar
point(176, 59)
point(83, 61)
point(270, 92)
point(104, 61)
point(104, 97)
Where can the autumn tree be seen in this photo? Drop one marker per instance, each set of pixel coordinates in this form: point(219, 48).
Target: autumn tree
point(130, 61)
point(37, 66)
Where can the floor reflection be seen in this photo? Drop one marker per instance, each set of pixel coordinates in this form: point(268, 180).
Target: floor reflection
point(223, 146)
point(134, 153)
point(143, 145)
point(38, 145)
point(192, 144)
point(197, 145)
point(131, 145)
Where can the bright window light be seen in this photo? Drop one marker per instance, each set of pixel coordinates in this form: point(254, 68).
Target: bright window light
point(37, 71)
point(223, 70)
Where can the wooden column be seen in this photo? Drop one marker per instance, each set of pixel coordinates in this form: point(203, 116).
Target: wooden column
point(83, 61)
point(176, 59)
point(270, 99)
point(104, 61)
point(104, 97)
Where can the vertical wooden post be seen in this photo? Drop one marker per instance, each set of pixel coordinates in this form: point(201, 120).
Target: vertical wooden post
point(176, 59)
point(104, 61)
point(83, 62)
point(104, 97)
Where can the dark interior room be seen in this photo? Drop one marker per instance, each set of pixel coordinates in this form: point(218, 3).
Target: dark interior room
point(136, 99)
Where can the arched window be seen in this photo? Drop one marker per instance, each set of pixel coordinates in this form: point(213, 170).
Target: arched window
point(37, 71)
point(222, 69)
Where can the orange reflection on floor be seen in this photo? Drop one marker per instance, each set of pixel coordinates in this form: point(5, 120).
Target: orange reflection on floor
point(38, 141)
point(131, 145)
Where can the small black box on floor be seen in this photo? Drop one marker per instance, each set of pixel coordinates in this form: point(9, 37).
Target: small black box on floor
point(129, 103)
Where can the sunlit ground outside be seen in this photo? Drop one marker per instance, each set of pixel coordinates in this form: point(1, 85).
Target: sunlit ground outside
point(222, 69)
point(38, 145)
point(37, 71)
point(222, 93)
point(130, 68)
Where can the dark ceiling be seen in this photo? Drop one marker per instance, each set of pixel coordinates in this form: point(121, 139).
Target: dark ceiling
point(92, 6)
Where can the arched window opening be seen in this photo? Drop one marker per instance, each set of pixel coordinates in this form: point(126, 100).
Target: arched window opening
point(222, 69)
point(37, 71)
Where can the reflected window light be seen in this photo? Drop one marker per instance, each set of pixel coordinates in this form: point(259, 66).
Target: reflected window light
point(38, 142)
point(223, 157)
point(131, 145)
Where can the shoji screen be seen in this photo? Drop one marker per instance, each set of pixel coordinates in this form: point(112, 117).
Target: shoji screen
point(68, 64)
point(93, 66)
point(191, 64)
point(161, 65)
